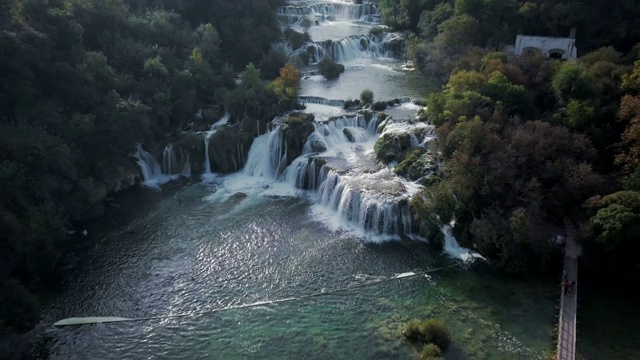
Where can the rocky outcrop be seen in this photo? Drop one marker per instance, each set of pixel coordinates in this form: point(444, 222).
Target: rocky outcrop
point(298, 127)
point(390, 146)
point(228, 149)
point(416, 163)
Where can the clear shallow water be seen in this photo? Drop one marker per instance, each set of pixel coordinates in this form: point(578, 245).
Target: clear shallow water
point(382, 76)
point(190, 252)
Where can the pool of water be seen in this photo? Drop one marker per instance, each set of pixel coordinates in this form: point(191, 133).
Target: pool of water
point(191, 252)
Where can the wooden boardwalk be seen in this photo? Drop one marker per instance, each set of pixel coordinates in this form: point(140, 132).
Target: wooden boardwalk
point(569, 302)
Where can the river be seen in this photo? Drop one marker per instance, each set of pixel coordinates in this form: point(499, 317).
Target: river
point(181, 253)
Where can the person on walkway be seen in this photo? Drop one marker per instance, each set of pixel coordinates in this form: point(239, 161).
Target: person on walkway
point(565, 286)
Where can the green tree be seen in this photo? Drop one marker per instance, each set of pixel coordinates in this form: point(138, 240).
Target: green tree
point(572, 81)
point(366, 96)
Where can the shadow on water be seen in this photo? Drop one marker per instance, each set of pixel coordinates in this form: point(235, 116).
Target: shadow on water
point(607, 321)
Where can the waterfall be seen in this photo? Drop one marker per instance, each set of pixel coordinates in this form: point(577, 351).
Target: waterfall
point(318, 100)
point(213, 129)
point(293, 14)
point(169, 162)
point(155, 173)
point(268, 155)
point(339, 169)
point(387, 45)
point(207, 162)
point(151, 169)
point(453, 249)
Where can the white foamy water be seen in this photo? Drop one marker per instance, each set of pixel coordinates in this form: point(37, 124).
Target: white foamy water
point(453, 249)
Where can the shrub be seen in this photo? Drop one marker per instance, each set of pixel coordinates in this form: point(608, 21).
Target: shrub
point(349, 104)
point(296, 39)
point(379, 106)
point(366, 96)
point(434, 332)
point(330, 69)
point(431, 352)
point(430, 331)
point(412, 330)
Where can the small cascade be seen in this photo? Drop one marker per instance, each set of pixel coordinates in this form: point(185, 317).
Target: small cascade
point(175, 162)
point(387, 45)
point(169, 162)
point(294, 14)
point(151, 169)
point(319, 100)
point(207, 162)
point(453, 249)
point(214, 128)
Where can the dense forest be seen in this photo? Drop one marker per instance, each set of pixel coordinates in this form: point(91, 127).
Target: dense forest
point(527, 141)
point(81, 82)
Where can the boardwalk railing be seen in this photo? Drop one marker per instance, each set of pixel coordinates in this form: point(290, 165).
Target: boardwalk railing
point(569, 299)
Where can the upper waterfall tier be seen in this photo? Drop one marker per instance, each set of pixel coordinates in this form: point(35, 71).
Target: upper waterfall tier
point(386, 45)
point(316, 13)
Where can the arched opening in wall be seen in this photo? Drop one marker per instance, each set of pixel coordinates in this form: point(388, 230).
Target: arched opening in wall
point(556, 53)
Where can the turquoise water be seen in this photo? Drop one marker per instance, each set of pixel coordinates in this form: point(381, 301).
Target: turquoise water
point(188, 252)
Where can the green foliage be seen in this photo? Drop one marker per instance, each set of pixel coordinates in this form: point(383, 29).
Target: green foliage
point(366, 96)
point(431, 20)
point(458, 34)
point(434, 332)
point(251, 77)
point(572, 81)
point(612, 232)
point(430, 352)
point(430, 331)
point(296, 39)
point(82, 83)
point(330, 69)
point(615, 222)
point(631, 81)
point(271, 64)
point(412, 330)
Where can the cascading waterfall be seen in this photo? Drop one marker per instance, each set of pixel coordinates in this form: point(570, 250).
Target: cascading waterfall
point(169, 162)
point(453, 249)
point(214, 127)
point(268, 155)
point(347, 180)
point(387, 45)
point(154, 172)
point(149, 166)
point(293, 15)
point(207, 162)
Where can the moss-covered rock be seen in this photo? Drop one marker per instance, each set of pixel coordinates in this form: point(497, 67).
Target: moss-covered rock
point(298, 128)
point(416, 163)
point(192, 144)
point(349, 135)
point(228, 149)
point(430, 331)
point(391, 146)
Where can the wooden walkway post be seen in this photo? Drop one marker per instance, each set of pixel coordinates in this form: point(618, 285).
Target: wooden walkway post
point(569, 301)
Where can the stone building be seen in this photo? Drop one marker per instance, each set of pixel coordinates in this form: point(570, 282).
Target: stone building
point(549, 46)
